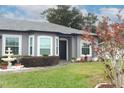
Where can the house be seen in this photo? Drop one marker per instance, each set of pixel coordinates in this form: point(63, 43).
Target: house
point(36, 39)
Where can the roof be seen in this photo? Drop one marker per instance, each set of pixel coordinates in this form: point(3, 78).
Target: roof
point(25, 25)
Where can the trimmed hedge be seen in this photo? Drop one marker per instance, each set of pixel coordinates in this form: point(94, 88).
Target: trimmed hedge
point(39, 61)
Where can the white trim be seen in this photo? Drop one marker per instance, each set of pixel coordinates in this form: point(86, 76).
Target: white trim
point(82, 41)
point(38, 44)
point(64, 39)
point(56, 46)
point(31, 36)
point(4, 42)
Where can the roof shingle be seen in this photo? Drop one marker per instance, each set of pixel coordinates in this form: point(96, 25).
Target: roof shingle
point(25, 25)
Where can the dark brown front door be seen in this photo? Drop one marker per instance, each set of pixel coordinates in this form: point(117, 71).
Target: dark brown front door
point(62, 49)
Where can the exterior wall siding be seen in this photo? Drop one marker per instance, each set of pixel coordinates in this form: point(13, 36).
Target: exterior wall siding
point(78, 46)
point(35, 45)
point(74, 46)
point(69, 48)
point(43, 34)
point(25, 37)
point(54, 45)
point(24, 40)
point(73, 42)
point(92, 54)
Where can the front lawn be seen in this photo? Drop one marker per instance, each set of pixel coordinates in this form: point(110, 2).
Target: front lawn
point(72, 75)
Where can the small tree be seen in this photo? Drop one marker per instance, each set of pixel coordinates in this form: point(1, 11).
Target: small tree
point(111, 47)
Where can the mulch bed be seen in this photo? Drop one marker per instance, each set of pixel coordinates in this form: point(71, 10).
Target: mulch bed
point(105, 85)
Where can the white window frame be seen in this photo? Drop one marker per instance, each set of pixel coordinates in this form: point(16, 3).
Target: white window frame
point(38, 44)
point(56, 45)
point(64, 39)
point(90, 48)
point(31, 36)
point(4, 36)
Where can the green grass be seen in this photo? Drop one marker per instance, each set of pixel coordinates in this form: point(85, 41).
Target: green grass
point(72, 75)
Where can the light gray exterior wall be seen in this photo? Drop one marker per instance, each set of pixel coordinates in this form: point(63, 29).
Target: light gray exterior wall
point(69, 48)
point(25, 37)
point(24, 40)
point(73, 46)
point(78, 46)
point(73, 42)
point(68, 38)
point(43, 34)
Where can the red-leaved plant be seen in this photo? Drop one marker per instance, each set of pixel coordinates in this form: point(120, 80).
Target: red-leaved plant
point(110, 47)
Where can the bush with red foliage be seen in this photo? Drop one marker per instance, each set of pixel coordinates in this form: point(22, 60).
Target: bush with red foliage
point(111, 46)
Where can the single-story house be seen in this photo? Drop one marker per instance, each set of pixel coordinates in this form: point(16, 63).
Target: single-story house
point(42, 38)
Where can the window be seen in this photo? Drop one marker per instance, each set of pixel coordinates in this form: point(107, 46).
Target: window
point(45, 45)
point(56, 46)
point(85, 48)
point(31, 45)
point(13, 42)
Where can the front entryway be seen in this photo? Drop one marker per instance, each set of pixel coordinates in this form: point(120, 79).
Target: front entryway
point(63, 49)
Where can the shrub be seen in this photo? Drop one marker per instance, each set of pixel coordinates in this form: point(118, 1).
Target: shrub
point(1, 61)
point(18, 57)
point(39, 61)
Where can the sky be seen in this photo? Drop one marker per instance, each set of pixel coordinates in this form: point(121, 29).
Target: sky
point(32, 12)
